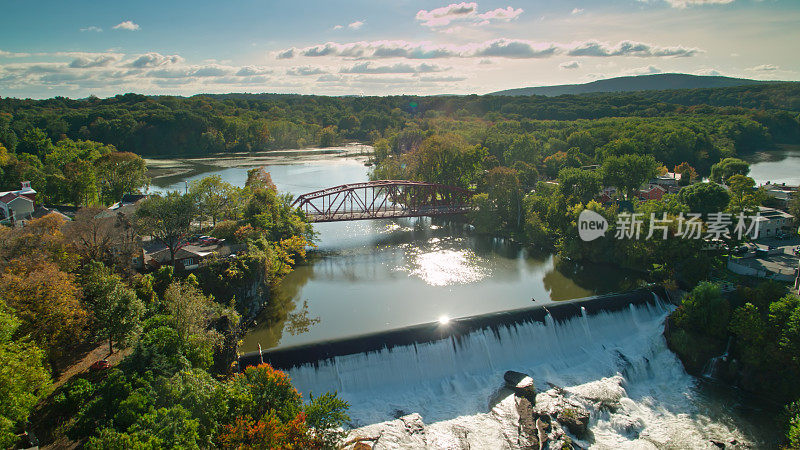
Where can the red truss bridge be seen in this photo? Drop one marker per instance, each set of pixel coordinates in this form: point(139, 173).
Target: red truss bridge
point(383, 199)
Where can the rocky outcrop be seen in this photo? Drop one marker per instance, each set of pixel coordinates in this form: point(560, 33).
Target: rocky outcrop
point(521, 384)
point(518, 418)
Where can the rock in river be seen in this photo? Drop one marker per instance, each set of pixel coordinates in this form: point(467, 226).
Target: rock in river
point(521, 384)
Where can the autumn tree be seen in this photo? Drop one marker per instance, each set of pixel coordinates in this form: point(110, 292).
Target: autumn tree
point(688, 174)
point(47, 301)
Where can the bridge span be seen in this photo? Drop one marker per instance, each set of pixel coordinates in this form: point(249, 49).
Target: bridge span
point(383, 199)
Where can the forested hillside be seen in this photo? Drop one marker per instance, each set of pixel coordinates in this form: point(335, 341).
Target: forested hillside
point(203, 124)
point(635, 83)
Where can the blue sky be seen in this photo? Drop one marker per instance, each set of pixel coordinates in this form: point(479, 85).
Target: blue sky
point(378, 47)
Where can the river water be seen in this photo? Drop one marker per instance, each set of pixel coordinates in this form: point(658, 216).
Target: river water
point(781, 165)
point(373, 275)
point(368, 276)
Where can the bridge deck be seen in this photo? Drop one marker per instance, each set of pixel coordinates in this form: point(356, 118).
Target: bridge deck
point(387, 214)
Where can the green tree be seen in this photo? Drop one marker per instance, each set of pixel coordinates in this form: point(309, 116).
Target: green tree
point(117, 309)
point(214, 197)
point(325, 416)
point(705, 310)
point(705, 198)
point(23, 377)
point(578, 185)
point(745, 198)
point(168, 218)
point(628, 172)
point(482, 214)
point(120, 173)
point(505, 193)
point(728, 167)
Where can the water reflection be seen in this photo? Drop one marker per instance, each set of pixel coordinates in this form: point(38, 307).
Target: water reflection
point(374, 275)
point(406, 272)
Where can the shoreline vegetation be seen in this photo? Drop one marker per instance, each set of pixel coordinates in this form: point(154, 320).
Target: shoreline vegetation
point(535, 163)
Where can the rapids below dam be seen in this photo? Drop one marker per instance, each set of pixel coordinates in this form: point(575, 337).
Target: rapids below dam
point(374, 276)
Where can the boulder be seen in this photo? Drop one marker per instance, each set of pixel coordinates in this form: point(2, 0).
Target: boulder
point(521, 384)
point(576, 420)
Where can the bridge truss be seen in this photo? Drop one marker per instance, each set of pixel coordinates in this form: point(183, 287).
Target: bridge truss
point(383, 199)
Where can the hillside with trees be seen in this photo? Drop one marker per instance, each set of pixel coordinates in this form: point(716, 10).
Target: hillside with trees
point(655, 82)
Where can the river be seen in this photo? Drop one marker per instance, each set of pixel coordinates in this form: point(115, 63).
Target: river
point(368, 276)
point(374, 275)
point(781, 165)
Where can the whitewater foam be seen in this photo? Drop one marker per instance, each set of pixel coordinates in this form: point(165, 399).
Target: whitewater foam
point(615, 363)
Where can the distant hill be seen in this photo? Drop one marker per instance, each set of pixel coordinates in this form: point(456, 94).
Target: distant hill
point(661, 81)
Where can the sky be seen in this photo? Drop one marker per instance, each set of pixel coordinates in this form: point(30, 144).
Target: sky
point(381, 47)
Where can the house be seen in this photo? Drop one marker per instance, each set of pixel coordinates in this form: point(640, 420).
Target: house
point(18, 205)
point(607, 195)
point(668, 179)
point(190, 256)
point(652, 192)
point(772, 221)
point(780, 192)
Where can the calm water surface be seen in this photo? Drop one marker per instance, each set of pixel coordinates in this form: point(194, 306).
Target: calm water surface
point(776, 166)
point(374, 275)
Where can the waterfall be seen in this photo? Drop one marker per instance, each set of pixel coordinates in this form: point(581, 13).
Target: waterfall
point(711, 368)
point(423, 377)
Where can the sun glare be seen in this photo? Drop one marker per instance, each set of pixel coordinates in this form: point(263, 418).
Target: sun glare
point(444, 320)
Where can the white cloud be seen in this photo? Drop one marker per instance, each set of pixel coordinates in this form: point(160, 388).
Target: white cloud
point(127, 25)
point(570, 65)
point(764, 68)
point(86, 62)
point(628, 48)
point(503, 14)
point(443, 16)
point(355, 25)
point(502, 47)
point(153, 59)
point(577, 11)
point(92, 28)
point(465, 12)
point(708, 72)
point(367, 67)
point(647, 70)
point(682, 4)
point(6, 54)
point(249, 71)
point(338, 27)
point(305, 71)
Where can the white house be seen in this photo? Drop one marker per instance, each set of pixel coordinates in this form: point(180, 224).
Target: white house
point(19, 204)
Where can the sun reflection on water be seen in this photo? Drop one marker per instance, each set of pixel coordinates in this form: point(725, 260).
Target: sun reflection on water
point(444, 267)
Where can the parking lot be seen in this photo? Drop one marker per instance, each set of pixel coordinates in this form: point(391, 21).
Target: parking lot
point(781, 258)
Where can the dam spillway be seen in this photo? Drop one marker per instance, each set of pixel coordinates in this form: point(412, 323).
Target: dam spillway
point(456, 331)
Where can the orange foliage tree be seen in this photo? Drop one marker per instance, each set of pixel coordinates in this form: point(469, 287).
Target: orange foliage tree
point(47, 301)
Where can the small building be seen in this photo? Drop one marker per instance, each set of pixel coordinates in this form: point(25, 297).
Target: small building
point(668, 179)
point(607, 195)
point(18, 206)
point(190, 256)
point(772, 221)
point(782, 193)
point(652, 192)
